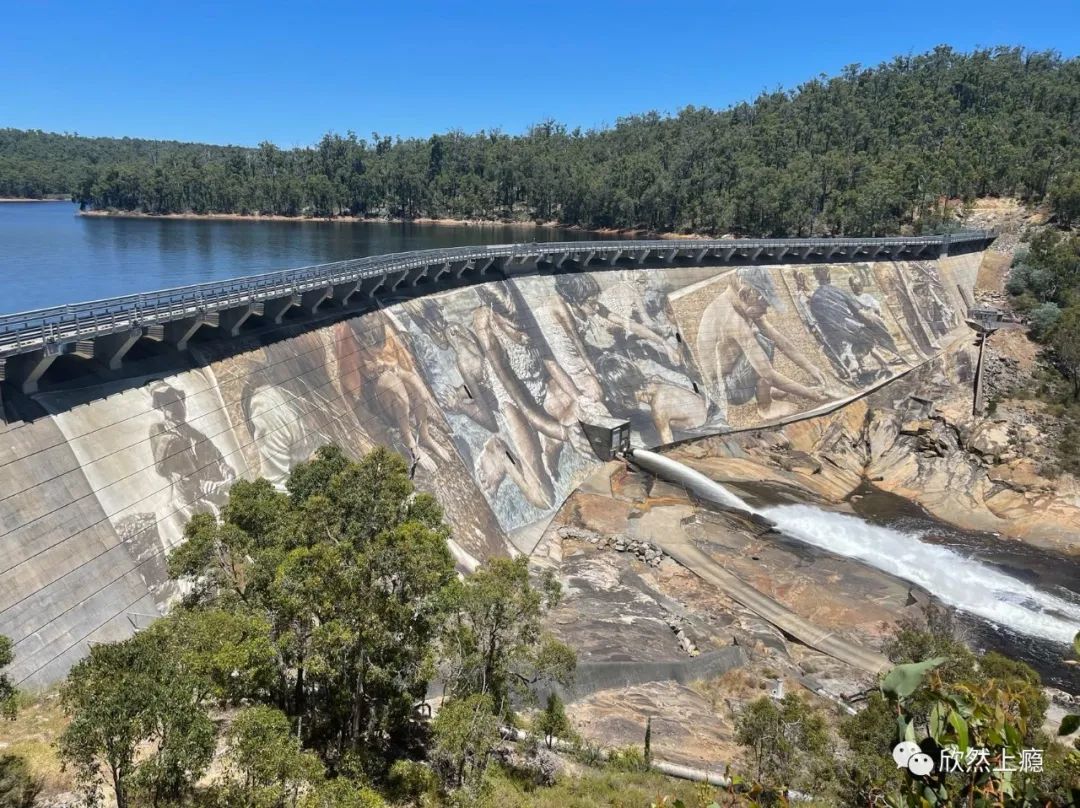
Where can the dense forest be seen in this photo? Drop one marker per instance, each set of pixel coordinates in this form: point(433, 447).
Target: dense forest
point(869, 151)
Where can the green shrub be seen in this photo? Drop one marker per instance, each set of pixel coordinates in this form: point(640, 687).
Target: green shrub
point(18, 788)
point(342, 793)
point(788, 744)
point(1043, 319)
point(628, 759)
point(409, 780)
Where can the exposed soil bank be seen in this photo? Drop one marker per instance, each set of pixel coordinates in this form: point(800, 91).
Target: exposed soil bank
point(447, 222)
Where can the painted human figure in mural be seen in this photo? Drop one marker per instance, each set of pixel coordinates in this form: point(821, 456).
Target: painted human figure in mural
point(668, 407)
point(294, 409)
point(377, 373)
point(737, 343)
point(541, 389)
point(474, 397)
point(566, 315)
point(508, 445)
point(279, 430)
point(592, 329)
point(845, 372)
point(184, 456)
point(929, 295)
point(485, 401)
point(588, 324)
point(853, 330)
point(885, 351)
point(535, 385)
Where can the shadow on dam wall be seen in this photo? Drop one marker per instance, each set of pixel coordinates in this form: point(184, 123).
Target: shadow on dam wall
point(480, 388)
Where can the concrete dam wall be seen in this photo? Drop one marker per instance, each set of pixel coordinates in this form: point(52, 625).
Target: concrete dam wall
point(480, 388)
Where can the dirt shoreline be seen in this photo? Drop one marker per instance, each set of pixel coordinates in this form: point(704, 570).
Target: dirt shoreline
point(442, 222)
point(27, 199)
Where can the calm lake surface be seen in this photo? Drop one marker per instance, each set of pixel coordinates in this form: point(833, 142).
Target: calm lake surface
point(49, 255)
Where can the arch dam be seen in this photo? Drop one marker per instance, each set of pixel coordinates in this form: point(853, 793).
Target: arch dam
point(126, 416)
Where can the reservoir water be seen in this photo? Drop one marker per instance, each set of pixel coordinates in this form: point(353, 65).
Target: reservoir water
point(49, 255)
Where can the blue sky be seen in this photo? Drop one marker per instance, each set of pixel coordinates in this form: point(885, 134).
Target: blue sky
point(233, 72)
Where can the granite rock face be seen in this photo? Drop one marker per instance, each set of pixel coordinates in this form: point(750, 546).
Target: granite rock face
point(621, 609)
point(917, 438)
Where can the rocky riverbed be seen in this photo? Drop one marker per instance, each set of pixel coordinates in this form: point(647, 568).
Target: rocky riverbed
point(626, 601)
point(916, 439)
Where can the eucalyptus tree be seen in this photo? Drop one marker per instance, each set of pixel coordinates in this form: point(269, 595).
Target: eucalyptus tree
point(350, 573)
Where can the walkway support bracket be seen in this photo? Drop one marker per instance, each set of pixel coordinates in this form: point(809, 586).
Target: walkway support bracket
point(313, 298)
point(275, 310)
point(112, 348)
point(230, 321)
point(179, 332)
point(39, 361)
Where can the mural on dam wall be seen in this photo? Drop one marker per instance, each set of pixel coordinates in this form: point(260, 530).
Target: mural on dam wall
point(153, 456)
point(480, 389)
point(771, 344)
point(510, 408)
point(754, 364)
point(615, 336)
point(926, 309)
point(842, 308)
point(383, 387)
point(355, 384)
point(514, 366)
point(284, 402)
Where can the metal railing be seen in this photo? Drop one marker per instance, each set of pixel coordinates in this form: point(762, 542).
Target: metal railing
point(25, 331)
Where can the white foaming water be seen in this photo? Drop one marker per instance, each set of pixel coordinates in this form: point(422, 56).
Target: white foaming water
point(968, 585)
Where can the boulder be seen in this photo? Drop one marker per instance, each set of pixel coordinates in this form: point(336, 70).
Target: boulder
point(918, 427)
point(990, 439)
point(1020, 475)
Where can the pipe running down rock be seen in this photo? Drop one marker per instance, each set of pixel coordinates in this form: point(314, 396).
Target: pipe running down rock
point(682, 475)
point(676, 770)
